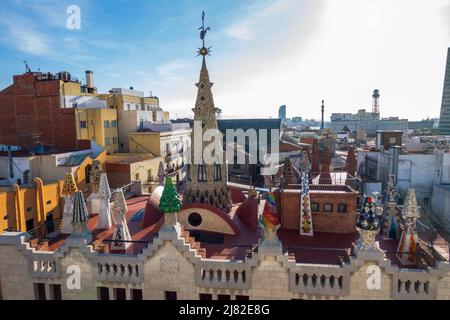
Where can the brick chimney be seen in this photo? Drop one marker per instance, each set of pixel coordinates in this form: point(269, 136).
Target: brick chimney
point(325, 177)
point(351, 161)
point(315, 158)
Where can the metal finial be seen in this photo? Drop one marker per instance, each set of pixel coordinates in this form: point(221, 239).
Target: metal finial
point(203, 31)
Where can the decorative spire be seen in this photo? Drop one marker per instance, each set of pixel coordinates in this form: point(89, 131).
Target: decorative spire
point(306, 227)
point(80, 216)
point(161, 173)
point(411, 209)
point(269, 222)
point(69, 187)
point(407, 246)
point(120, 207)
point(121, 234)
point(104, 189)
point(96, 172)
point(368, 217)
point(368, 225)
point(207, 182)
point(203, 31)
point(170, 201)
point(80, 213)
point(104, 218)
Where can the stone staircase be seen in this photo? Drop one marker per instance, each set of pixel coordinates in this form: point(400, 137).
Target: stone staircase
point(192, 243)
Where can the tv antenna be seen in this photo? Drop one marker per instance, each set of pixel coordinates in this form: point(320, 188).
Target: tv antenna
point(27, 68)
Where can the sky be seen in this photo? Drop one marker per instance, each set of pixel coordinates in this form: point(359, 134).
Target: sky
point(265, 53)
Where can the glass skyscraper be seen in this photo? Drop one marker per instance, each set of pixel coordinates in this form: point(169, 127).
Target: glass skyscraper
point(444, 121)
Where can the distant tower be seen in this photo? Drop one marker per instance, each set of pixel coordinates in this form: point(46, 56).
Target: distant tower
point(376, 101)
point(444, 120)
point(282, 113)
point(322, 126)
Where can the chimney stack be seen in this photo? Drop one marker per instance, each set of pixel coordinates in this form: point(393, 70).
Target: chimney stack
point(89, 79)
point(325, 176)
point(315, 158)
point(351, 161)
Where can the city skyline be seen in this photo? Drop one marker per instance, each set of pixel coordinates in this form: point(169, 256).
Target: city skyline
point(263, 54)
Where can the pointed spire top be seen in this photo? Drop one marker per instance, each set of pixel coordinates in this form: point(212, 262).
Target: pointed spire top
point(204, 51)
point(69, 187)
point(120, 207)
point(411, 209)
point(80, 212)
point(104, 189)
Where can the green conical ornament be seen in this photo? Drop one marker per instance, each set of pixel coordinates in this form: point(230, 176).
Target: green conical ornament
point(169, 202)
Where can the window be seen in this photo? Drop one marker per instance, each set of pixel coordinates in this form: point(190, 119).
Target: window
point(39, 291)
point(30, 224)
point(136, 294)
point(103, 293)
point(114, 123)
point(223, 297)
point(87, 173)
point(128, 107)
point(188, 172)
point(342, 207)
point(149, 174)
point(217, 172)
point(195, 219)
point(107, 141)
point(242, 297)
point(120, 294)
point(115, 140)
point(106, 124)
point(56, 291)
point(202, 177)
point(315, 207)
point(83, 124)
point(170, 295)
point(137, 177)
point(328, 207)
point(205, 296)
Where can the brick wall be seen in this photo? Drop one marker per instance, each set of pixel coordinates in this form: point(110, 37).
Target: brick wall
point(333, 222)
point(30, 113)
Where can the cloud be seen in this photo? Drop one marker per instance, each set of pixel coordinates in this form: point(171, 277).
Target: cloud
point(18, 34)
point(171, 70)
point(257, 19)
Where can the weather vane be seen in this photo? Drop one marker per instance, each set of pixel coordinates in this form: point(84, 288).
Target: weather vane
point(203, 50)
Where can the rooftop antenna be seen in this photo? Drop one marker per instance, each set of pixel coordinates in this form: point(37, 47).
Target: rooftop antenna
point(27, 68)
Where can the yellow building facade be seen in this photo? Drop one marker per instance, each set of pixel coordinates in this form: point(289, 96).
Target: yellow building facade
point(95, 120)
point(99, 125)
point(25, 207)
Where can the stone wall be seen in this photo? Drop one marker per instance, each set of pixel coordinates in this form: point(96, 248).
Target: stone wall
point(170, 264)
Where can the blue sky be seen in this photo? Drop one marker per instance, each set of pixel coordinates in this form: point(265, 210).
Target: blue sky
point(265, 53)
